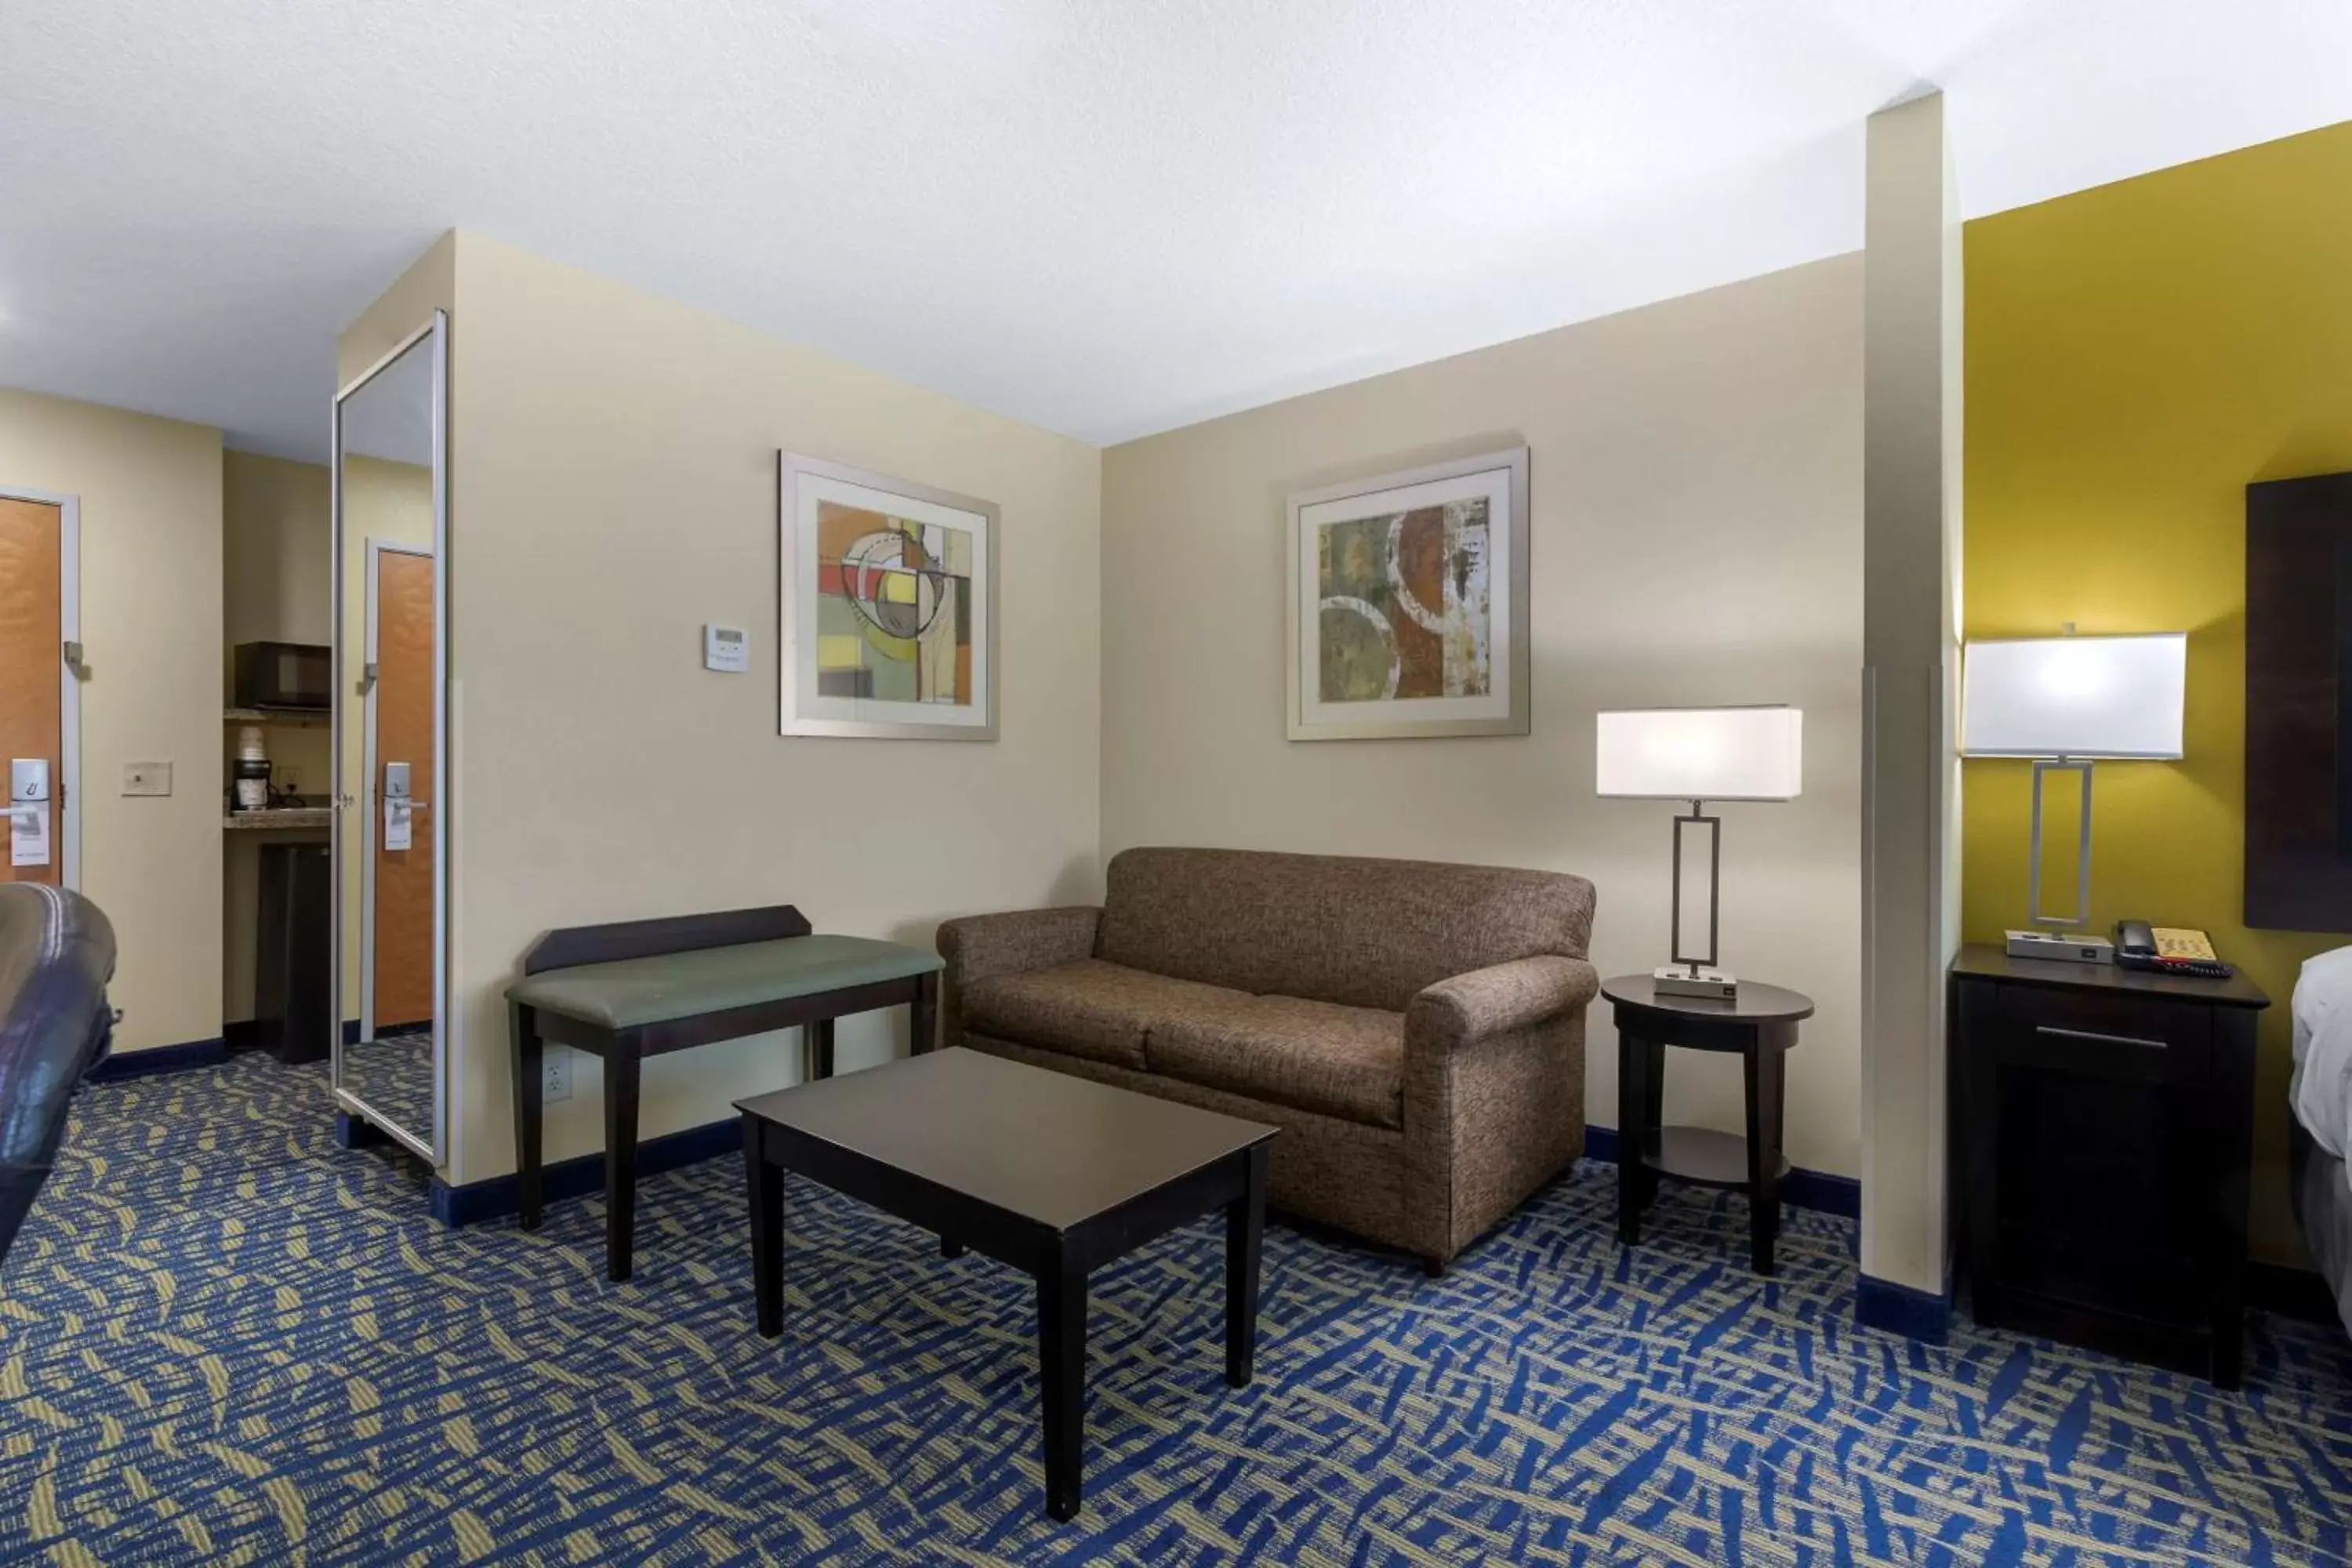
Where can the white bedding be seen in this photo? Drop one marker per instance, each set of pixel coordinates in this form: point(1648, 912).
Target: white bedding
point(2321, 1092)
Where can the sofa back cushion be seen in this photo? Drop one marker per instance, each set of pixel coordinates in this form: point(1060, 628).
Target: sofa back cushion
point(1359, 932)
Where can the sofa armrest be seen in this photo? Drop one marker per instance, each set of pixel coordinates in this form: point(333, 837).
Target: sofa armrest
point(1498, 999)
point(981, 946)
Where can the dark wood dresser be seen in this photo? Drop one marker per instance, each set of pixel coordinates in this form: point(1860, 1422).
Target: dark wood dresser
point(2101, 1124)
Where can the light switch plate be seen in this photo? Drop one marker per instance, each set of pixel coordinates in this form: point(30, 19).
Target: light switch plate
point(727, 649)
point(146, 778)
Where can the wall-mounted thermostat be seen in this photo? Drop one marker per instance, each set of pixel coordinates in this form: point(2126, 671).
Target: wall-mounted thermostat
point(726, 649)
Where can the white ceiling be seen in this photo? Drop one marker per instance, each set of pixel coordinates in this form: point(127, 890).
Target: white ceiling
point(1104, 217)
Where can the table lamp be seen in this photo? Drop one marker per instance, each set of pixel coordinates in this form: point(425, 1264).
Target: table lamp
point(2067, 702)
point(1699, 755)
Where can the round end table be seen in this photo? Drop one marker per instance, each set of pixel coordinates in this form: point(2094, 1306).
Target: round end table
point(1759, 1024)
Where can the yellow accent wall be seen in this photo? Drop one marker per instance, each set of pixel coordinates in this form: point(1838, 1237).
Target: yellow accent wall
point(2137, 356)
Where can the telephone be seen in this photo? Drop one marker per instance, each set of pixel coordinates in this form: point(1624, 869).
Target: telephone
point(2168, 950)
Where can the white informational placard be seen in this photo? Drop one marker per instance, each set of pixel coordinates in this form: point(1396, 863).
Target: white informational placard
point(29, 836)
point(396, 810)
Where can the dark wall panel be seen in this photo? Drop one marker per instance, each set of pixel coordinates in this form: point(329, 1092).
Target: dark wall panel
point(2299, 704)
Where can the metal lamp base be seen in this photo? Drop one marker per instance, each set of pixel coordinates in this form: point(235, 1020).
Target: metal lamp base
point(2069, 947)
point(1692, 973)
point(1682, 980)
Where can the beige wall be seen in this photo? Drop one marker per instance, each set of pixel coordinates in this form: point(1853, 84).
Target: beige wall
point(152, 623)
point(1697, 539)
point(1912, 536)
point(277, 535)
point(614, 468)
point(430, 284)
point(277, 529)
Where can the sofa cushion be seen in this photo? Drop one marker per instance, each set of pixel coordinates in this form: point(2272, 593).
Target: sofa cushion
point(1361, 933)
point(1310, 1056)
point(1089, 1009)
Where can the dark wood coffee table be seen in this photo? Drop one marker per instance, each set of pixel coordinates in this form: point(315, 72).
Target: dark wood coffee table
point(1054, 1175)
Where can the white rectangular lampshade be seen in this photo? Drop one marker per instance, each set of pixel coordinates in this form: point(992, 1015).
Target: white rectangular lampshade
point(1701, 753)
point(2074, 697)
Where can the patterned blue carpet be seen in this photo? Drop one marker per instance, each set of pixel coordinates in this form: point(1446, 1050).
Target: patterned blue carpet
point(223, 1340)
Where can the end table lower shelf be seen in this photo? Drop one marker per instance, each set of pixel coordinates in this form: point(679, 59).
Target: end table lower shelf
point(1702, 1157)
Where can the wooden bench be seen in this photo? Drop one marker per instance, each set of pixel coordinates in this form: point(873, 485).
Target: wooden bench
point(643, 988)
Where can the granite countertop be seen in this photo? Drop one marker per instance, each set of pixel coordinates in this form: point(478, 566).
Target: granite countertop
point(282, 817)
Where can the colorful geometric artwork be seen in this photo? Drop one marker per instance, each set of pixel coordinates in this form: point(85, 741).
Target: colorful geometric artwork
point(894, 608)
point(887, 606)
point(1404, 604)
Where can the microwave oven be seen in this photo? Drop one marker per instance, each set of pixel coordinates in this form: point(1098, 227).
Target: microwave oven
point(284, 674)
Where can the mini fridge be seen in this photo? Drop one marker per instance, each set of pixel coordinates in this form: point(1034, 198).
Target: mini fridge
point(293, 981)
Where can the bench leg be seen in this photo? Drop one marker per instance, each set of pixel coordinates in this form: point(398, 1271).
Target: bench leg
point(818, 1039)
point(620, 1156)
point(529, 1112)
point(923, 1016)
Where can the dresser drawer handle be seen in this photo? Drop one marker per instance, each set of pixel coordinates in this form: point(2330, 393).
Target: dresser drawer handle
point(2097, 1038)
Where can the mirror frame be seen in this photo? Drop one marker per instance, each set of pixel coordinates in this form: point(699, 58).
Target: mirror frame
point(346, 804)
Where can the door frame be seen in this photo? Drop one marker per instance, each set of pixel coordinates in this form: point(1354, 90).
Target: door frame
point(68, 678)
point(371, 801)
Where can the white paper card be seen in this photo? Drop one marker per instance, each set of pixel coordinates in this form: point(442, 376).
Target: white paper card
point(395, 822)
point(28, 838)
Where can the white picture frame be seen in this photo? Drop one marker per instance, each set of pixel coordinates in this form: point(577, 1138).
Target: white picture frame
point(898, 640)
point(1456, 668)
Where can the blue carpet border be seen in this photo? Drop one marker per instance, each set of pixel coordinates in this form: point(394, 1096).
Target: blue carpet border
point(1816, 1190)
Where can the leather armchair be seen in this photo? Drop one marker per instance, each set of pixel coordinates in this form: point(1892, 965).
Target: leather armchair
point(56, 954)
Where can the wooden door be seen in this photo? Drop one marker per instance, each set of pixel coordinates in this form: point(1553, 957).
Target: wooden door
point(401, 710)
point(32, 714)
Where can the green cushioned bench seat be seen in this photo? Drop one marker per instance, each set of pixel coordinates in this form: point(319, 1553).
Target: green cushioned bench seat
point(634, 991)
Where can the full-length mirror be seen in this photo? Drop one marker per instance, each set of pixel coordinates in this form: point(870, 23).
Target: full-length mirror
point(391, 663)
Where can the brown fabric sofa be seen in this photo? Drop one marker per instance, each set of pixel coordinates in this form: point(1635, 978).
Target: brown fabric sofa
point(1417, 1030)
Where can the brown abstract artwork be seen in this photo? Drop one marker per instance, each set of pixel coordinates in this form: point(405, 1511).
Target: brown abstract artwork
point(1404, 604)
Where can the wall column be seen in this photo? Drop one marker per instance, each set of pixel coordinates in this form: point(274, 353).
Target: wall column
point(1911, 534)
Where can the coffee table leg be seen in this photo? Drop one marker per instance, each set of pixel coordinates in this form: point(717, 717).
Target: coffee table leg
point(1061, 1366)
point(1244, 1238)
point(951, 1248)
point(765, 1180)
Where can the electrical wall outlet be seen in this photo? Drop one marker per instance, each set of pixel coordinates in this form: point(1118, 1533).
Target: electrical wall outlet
point(554, 1073)
point(146, 778)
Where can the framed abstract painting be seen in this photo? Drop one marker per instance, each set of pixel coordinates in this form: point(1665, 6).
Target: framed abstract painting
point(1408, 603)
point(888, 607)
